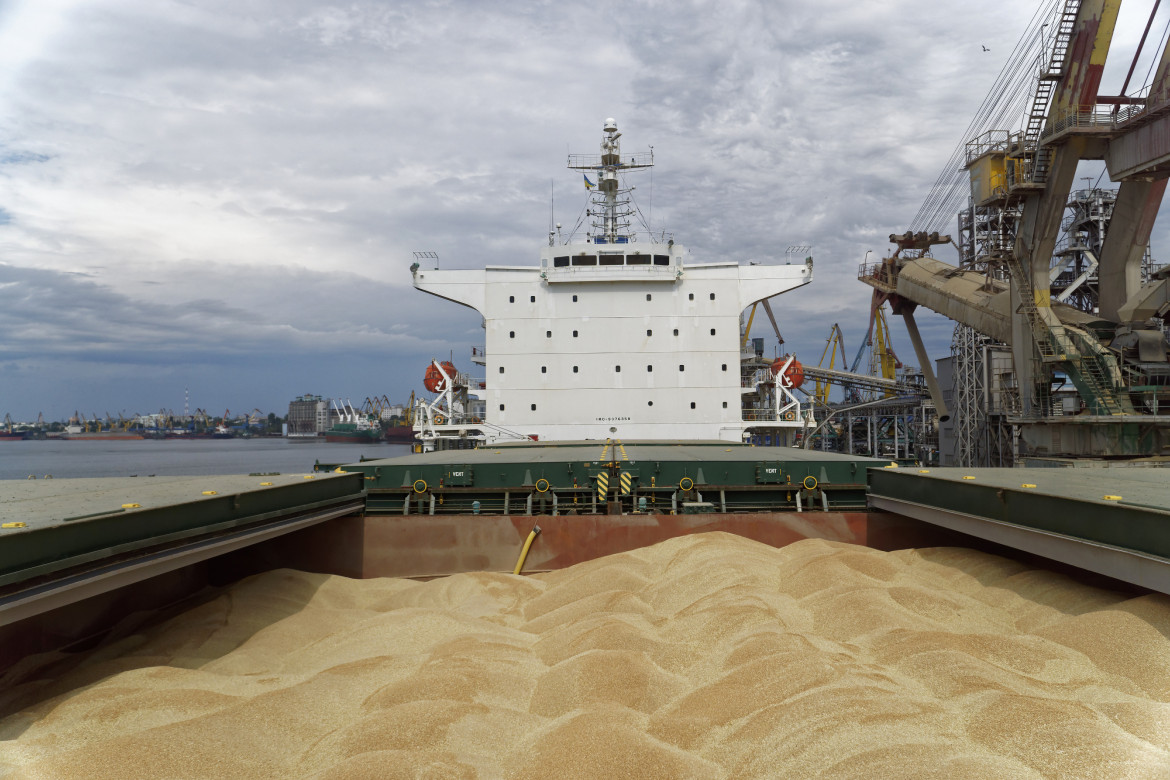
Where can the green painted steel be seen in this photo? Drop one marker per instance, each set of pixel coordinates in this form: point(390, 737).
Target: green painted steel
point(733, 477)
point(1122, 507)
point(70, 522)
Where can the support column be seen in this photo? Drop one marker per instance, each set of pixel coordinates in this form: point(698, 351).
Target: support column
point(925, 366)
point(1119, 272)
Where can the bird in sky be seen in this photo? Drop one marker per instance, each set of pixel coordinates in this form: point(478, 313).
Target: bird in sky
point(985, 48)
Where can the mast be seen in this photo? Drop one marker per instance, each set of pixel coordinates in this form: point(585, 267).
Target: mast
point(610, 207)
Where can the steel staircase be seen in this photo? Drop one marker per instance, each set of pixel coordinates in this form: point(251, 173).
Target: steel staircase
point(1050, 74)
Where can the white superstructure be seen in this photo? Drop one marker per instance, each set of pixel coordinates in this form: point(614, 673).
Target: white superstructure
point(612, 337)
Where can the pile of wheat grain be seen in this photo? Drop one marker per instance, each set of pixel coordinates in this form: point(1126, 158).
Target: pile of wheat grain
point(707, 656)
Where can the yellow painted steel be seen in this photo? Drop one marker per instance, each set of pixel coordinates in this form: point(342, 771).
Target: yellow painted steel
point(542, 485)
point(884, 349)
point(527, 546)
point(836, 339)
point(686, 483)
point(748, 330)
point(420, 486)
point(602, 486)
point(809, 482)
point(626, 482)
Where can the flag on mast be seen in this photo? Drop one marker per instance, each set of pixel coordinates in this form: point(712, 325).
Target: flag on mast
point(588, 184)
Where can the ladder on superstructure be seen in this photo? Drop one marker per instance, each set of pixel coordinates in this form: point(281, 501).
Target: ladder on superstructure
point(1050, 74)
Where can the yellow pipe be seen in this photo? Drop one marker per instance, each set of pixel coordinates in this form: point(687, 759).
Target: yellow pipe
point(527, 544)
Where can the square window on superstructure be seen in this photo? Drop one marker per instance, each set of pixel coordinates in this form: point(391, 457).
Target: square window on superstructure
point(544, 369)
point(617, 369)
point(511, 334)
point(574, 369)
point(574, 299)
point(712, 331)
point(712, 296)
point(501, 369)
point(681, 367)
point(501, 407)
point(676, 331)
point(511, 299)
point(692, 404)
point(724, 366)
point(532, 298)
point(647, 296)
point(691, 297)
point(649, 332)
point(534, 407)
point(548, 334)
point(724, 404)
point(649, 369)
point(574, 334)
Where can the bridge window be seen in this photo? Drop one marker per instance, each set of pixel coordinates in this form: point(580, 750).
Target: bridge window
point(612, 259)
point(637, 259)
point(661, 260)
point(585, 260)
point(560, 262)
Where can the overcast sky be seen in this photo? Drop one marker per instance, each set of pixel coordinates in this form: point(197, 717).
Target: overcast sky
point(226, 196)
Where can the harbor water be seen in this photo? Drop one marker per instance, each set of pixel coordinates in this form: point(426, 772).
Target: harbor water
point(177, 457)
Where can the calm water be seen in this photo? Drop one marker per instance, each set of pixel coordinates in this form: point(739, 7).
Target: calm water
point(177, 457)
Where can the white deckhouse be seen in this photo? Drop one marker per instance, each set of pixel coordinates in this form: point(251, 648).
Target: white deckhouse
point(612, 337)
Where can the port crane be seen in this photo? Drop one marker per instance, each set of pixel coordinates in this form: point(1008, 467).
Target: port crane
point(1081, 383)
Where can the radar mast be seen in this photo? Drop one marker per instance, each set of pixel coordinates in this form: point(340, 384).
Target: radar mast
point(610, 206)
